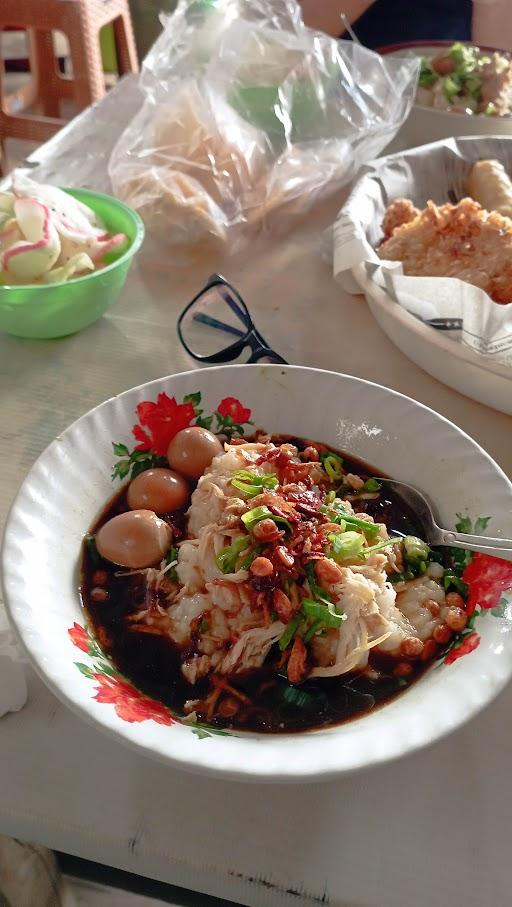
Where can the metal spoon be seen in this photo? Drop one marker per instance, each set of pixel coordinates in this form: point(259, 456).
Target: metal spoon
point(432, 532)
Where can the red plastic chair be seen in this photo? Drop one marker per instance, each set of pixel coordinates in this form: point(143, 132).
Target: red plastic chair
point(81, 21)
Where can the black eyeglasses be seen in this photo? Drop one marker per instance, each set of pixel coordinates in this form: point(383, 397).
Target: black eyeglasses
point(215, 316)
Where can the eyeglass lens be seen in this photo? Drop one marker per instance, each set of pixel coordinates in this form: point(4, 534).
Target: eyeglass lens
point(216, 320)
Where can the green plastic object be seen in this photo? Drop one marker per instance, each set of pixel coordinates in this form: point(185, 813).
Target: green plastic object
point(260, 105)
point(43, 312)
point(108, 49)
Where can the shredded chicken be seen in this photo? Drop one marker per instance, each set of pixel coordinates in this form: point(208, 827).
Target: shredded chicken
point(251, 649)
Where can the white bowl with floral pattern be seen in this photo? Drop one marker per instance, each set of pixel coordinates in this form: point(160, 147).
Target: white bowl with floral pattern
point(71, 481)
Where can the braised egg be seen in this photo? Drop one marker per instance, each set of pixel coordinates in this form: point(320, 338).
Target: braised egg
point(137, 538)
point(192, 450)
point(160, 490)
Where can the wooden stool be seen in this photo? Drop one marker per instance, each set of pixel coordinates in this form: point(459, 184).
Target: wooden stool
point(81, 22)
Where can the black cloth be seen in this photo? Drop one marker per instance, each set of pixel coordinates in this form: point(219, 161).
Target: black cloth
point(396, 21)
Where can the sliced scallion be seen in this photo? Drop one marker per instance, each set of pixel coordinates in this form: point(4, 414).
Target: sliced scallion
point(327, 615)
point(227, 558)
point(293, 695)
point(246, 562)
point(257, 514)
point(250, 484)
point(289, 633)
point(314, 628)
point(250, 490)
point(317, 592)
point(337, 514)
point(415, 550)
point(384, 544)
point(94, 554)
point(372, 485)
point(452, 581)
point(172, 558)
point(333, 465)
point(345, 545)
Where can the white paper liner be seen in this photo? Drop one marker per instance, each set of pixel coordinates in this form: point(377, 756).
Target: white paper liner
point(439, 172)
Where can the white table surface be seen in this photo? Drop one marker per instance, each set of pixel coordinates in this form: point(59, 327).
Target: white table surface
point(431, 828)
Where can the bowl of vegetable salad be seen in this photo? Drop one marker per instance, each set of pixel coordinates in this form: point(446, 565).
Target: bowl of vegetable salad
point(462, 90)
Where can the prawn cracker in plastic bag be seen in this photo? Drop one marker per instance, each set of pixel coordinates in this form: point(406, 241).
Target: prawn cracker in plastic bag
point(249, 118)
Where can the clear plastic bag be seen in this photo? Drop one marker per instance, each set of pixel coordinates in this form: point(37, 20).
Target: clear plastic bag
point(249, 118)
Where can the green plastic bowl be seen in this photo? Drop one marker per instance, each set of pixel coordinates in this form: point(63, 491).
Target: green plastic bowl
point(41, 311)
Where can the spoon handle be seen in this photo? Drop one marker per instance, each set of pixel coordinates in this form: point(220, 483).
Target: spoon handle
point(496, 546)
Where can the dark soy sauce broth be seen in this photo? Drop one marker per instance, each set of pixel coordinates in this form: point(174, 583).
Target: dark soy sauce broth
point(152, 663)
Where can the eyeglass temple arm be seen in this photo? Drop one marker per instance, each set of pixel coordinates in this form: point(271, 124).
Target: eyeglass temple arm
point(215, 323)
point(235, 307)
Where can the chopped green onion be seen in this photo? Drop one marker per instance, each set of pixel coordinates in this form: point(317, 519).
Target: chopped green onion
point(92, 550)
point(289, 633)
point(248, 482)
point(171, 558)
point(452, 581)
point(415, 550)
point(385, 544)
point(345, 544)
point(333, 466)
point(368, 528)
point(314, 628)
point(401, 577)
point(267, 480)
point(435, 557)
point(337, 514)
point(257, 514)
point(334, 517)
point(246, 562)
point(330, 453)
point(250, 490)
point(204, 625)
point(293, 695)
point(328, 616)
point(416, 554)
point(227, 558)
point(316, 591)
point(330, 496)
point(372, 485)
